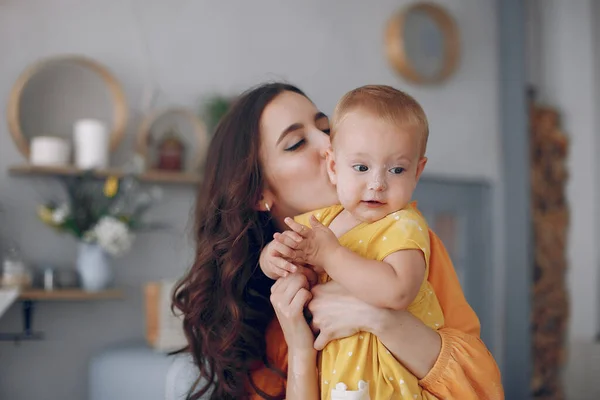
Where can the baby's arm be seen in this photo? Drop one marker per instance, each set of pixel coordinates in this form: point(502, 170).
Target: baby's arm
point(391, 283)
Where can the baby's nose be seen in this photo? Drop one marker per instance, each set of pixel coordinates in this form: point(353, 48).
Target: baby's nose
point(378, 184)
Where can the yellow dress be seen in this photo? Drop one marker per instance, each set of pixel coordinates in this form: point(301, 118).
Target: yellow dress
point(363, 357)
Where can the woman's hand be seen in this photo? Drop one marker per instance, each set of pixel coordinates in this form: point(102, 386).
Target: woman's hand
point(337, 314)
point(274, 257)
point(289, 296)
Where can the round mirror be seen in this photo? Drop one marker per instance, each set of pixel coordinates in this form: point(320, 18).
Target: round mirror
point(50, 96)
point(422, 43)
point(173, 140)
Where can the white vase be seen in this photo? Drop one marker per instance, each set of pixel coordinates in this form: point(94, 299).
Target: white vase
point(94, 267)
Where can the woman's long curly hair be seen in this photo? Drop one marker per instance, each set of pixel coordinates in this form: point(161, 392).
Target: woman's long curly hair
point(224, 297)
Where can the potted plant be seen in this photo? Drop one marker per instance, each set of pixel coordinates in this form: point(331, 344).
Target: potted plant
point(214, 108)
point(103, 216)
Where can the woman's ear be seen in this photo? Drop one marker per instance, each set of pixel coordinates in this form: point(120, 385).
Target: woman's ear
point(331, 166)
point(266, 201)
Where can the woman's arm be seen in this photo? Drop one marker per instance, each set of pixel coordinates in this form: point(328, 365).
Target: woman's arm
point(414, 344)
point(465, 368)
point(450, 363)
point(459, 366)
point(289, 295)
point(392, 283)
point(302, 375)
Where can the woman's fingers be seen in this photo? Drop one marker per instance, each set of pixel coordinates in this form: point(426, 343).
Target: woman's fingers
point(335, 313)
point(284, 290)
point(310, 274)
point(296, 282)
point(302, 297)
point(289, 299)
point(277, 283)
point(313, 327)
point(321, 341)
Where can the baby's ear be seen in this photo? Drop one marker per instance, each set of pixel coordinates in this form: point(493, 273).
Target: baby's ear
point(420, 168)
point(331, 166)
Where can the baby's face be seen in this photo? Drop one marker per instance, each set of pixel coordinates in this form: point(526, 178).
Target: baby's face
point(375, 165)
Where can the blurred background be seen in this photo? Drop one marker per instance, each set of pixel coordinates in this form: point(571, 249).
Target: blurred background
point(510, 88)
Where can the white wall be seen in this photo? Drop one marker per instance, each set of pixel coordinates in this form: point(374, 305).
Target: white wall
point(191, 49)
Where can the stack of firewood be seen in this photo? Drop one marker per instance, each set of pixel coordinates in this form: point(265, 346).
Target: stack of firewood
point(550, 216)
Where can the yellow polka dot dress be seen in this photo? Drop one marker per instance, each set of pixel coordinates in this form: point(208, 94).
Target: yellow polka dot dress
point(350, 367)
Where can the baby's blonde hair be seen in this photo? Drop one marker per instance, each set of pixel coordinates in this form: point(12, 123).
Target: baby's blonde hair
point(384, 101)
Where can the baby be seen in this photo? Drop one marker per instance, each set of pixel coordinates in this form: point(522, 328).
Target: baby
point(374, 243)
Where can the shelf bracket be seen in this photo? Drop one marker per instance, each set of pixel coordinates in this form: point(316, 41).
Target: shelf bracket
point(27, 333)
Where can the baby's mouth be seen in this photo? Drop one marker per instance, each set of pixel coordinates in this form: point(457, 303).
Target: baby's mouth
point(373, 203)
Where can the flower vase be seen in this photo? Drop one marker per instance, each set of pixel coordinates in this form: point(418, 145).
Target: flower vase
point(94, 267)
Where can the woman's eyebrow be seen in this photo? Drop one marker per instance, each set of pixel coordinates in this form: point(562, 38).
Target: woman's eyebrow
point(289, 129)
point(320, 115)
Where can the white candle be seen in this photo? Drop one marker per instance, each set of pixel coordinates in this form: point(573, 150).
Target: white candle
point(49, 151)
point(91, 144)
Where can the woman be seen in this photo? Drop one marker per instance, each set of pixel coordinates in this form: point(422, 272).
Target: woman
point(266, 162)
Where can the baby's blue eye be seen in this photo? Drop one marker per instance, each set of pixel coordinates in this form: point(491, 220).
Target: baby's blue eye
point(397, 170)
point(360, 168)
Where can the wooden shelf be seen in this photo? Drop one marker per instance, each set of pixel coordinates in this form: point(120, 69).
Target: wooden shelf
point(151, 176)
point(30, 296)
point(69, 295)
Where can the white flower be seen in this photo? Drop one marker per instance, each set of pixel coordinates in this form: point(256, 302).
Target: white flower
point(113, 236)
point(60, 214)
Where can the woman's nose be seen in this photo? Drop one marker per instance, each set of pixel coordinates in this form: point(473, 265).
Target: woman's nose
point(324, 145)
point(323, 151)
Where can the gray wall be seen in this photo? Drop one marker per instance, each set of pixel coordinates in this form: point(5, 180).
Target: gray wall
point(561, 33)
point(187, 50)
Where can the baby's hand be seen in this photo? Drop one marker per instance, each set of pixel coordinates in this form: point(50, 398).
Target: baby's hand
point(317, 243)
point(274, 259)
point(294, 241)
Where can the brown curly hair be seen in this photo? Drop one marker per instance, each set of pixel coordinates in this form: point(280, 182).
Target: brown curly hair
point(224, 297)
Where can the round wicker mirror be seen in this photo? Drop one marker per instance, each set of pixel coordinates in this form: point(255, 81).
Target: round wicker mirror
point(423, 43)
point(50, 95)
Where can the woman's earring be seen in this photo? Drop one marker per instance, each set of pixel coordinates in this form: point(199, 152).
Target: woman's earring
point(268, 207)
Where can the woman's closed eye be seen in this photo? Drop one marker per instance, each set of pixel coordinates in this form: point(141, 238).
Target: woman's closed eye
point(295, 146)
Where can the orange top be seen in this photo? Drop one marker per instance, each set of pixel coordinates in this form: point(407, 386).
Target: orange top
point(464, 370)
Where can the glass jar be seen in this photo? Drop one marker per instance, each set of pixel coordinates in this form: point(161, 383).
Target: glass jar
point(15, 272)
